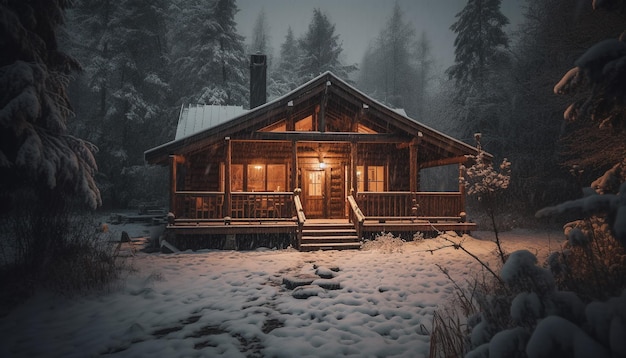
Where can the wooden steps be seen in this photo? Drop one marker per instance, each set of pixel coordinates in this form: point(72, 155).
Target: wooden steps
point(329, 236)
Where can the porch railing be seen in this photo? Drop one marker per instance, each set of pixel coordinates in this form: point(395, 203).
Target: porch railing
point(204, 205)
point(207, 206)
point(356, 216)
point(300, 217)
point(387, 204)
point(411, 204)
point(440, 204)
point(262, 205)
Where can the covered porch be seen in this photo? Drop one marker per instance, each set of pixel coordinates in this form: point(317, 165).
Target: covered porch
point(322, 153)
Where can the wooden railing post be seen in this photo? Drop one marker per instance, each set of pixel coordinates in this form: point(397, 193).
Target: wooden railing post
point(300, 217)
point(462, 189)
point(354, 186)
point(413, 166)
point(227, 177)
point(356, 216)
point(294, 165)
point(173, 164)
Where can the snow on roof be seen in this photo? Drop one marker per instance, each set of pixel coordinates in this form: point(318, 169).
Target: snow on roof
point(196, 118)
point(401, 112)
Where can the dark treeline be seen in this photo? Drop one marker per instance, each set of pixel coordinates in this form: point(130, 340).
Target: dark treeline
point(142, 60)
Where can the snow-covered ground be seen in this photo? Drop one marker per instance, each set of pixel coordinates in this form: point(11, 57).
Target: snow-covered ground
point(234, 304)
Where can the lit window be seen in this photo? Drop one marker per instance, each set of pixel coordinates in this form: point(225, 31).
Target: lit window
point(276, 174)
point(360, 178)
point(260, 177)
point(375, 177)
point(315, 183)
point(256, 177)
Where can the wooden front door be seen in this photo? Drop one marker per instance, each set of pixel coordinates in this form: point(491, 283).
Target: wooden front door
point(314, 193)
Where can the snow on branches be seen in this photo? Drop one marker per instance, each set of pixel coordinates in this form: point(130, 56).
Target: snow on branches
point(606, 197)
point(36, 149)
point(482, 179)
point(601, 71)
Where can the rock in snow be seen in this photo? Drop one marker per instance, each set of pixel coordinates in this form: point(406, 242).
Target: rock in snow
point(304, 292)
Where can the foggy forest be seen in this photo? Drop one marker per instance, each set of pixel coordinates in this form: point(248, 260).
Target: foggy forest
point(87, 86)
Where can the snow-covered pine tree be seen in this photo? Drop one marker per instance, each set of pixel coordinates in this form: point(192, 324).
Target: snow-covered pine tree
point(423, 65)
point(124, 49)
point(210, 65)
point(260, 39)
point(479, 72)
point(320, 49)
point(230, 59)
point(284, 77)
point(479, 42)
point(388, 70)
point(36, 150)
point(600, 73)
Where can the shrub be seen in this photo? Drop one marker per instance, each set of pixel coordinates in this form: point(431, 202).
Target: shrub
point(573, 305)
point(485, 183)
point(385, 243)
point(592, 262)
point(47, 245)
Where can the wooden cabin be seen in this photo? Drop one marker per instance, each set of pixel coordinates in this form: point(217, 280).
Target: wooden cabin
point(320, 167)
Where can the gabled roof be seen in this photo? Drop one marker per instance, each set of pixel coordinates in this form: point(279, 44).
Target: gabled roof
point(341, 104)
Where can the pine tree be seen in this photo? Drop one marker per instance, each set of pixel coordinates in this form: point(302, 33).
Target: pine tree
point(284, 77)
point(424, 63)
point(36, 150)
point(395, 43)
point(320, 48)
point(210, 65)
point(479, 42)
point(229, 57)
point(480, 73)
point(389, 72)
point(124, 48)
point(261, 35)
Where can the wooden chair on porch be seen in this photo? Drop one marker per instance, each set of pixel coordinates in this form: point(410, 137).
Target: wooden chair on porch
point(265, 208)
point(204, 209)
point(238, 208)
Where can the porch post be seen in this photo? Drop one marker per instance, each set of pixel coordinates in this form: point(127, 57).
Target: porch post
point(173, 184)
point(413, 166)
point(322, 114)
point(462, 186)
point(294, 165)
point(227, 175)
point(353, 175)
point(290, 124)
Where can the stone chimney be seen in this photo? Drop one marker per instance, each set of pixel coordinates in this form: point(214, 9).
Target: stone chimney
point(258, 80)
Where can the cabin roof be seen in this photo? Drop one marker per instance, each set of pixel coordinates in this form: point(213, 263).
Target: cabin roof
point(204, 125)
point(194, 119)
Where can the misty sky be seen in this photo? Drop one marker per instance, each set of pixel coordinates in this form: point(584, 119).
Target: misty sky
point(359, 21)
